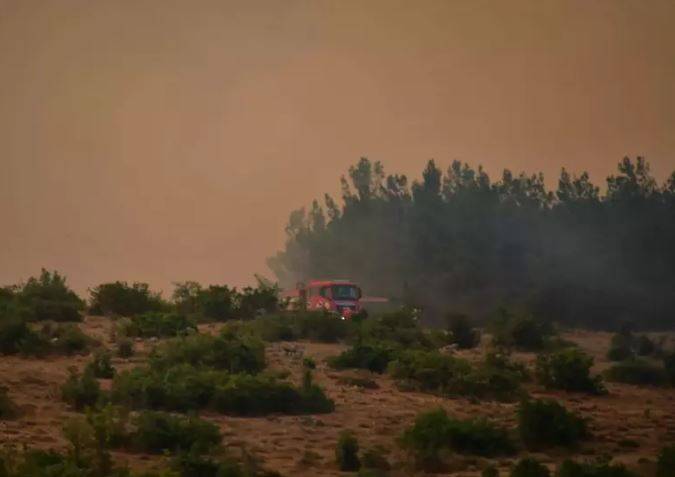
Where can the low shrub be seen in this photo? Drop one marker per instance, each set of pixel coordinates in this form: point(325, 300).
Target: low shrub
point(520, 331)
point(665, 464)
point(320, 326)
point(184, 387)
point(400, 329)
point(435, 432)
point(347, 452)
point(637, 371)
point(570, 468)
point(17, 337)
point(273, 328)
point(569, 370)
point(66, 339)
point(82, 390)
point(375, 459)
point(463, 334)
point(228, 351)
point(645, 346)
point(121, 299)
point(125, 348)
point(429, 371)
point(544, 423)
point(621, 346)
point(432, 371)
point(100, 365)
point(356, 381)
point(8, 409)
point(157, 324)
point(373, 357)
point(262, 299)
point(529, 467)
point(257, 395)
point(156, 432)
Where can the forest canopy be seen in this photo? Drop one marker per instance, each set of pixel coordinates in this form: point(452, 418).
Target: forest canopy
point(459, 241)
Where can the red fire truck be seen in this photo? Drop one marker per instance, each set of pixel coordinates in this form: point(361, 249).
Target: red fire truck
point(342, 297)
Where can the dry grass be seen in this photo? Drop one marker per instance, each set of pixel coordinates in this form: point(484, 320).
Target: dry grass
point(304, 445)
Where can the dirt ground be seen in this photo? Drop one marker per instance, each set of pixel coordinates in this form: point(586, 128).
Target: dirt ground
point(630, 424)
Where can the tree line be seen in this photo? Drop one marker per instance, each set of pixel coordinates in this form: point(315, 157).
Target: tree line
point(459, 241)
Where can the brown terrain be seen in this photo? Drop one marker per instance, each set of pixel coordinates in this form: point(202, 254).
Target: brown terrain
point(630, 424)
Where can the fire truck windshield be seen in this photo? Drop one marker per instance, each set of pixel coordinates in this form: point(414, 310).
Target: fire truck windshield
point(345, 292)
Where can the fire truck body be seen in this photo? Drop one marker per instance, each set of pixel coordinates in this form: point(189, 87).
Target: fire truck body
point(339, 296)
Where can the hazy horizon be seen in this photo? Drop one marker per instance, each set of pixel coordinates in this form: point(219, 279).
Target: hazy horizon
point(163, 141)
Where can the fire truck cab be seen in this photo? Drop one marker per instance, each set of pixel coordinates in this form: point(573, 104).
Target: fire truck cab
point(339, 296)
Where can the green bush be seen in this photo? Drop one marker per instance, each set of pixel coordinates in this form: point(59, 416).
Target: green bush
point(529, 467)
point(228, 352)
point(257, 395)
point(520, 331)
point(665, 465)
point(184, 387)
point(645, 346)
point(157, 324)
point(120, 299)
point(637, 371)
point(8, 409)
point(218, 302)
point(66, 339)
point(262, 299)
point(432, 371)
point(306, 325)
point(100, 365)
point(320, 326)
point(570, 468)
point(435, 432)
point(375, 357)
point(463, 334)
point(569, 370)
point(375, 459)
point(398, 328)
point(621, 346)
point(347, 452)
point(544, 423)
point(81, 391)
point(125, 348)
point(156, 432)
point(17, 337)
point(48, 298)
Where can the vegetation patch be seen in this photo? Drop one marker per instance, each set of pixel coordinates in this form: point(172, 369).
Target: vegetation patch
point(637, 371)
point(435, 372)
point(101, 366)
point(521, 331)
point(435, 432)
point(569, 370)
point(81, 390)
point(184, 388)
point(545, 423)
point(228, 351)
point(121, 299)
point(530, 467)
point(8, 410)
point(157, 324)
point(373, 357)
point(601, 468)
point(347, 452)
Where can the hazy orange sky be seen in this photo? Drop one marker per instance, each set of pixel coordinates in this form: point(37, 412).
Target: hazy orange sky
point(168, 140)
